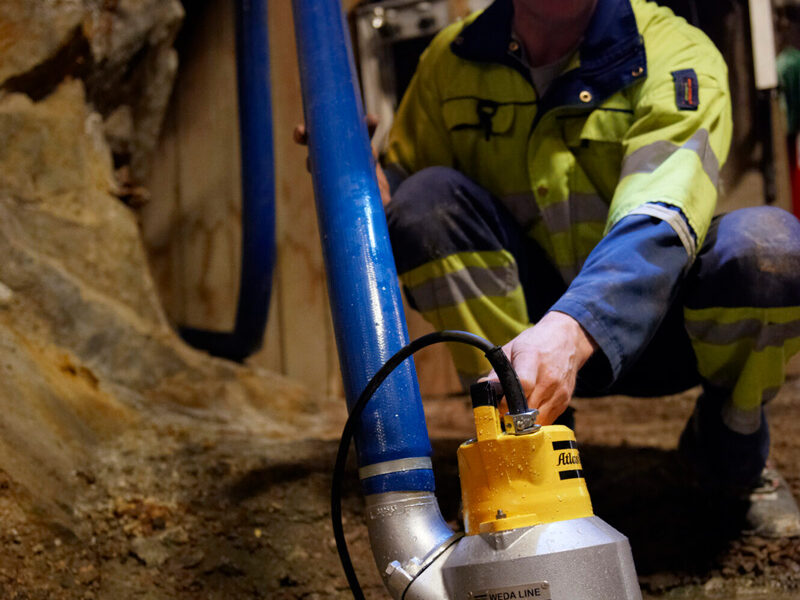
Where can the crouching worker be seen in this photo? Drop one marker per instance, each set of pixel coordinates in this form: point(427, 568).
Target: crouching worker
point(557, 162)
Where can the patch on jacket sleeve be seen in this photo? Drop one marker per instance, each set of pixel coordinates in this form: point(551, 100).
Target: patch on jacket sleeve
point(686, 89)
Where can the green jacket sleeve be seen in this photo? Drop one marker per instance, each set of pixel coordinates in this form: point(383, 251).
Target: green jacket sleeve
point(673, 151)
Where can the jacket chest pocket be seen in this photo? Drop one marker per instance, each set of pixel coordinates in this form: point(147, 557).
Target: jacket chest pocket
point(596, 141)
point(481, 118)
point(489, 141)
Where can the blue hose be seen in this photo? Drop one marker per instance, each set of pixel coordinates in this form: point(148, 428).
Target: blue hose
point(258, 191)
point(362, 280)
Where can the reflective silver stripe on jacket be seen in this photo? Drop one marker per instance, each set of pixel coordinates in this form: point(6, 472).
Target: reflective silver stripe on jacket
point(741, 421)
point(578, 208)
point(648, 158)
point(675, 220)
point(465, 284)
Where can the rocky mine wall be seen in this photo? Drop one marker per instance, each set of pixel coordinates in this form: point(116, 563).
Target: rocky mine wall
point(85, 348)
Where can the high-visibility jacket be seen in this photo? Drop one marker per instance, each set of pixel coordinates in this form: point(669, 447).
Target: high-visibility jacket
point(614, 171)
point(639, 121)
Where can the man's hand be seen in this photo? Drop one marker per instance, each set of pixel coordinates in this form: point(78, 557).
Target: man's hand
point(300, 136)
point(547, 358)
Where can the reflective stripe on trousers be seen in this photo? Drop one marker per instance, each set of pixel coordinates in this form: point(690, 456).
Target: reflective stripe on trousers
point(751, 365)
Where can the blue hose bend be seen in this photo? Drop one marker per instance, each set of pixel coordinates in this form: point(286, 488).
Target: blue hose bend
point(258, 191)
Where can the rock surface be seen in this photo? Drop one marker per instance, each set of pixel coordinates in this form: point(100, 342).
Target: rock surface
point(85, 349)
point(121, 49)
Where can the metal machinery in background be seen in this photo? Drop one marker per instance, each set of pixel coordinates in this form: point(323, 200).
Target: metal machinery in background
point(762, 39)
point(390, 37)
point(530, 529)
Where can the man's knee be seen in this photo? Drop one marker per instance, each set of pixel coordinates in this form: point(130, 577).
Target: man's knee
point(753, 259)
point(422, 196)
point(760, 240)
point(429, 214)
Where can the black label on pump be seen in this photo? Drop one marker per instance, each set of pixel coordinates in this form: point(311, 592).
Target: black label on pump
point(530, 591)
point(565, 445)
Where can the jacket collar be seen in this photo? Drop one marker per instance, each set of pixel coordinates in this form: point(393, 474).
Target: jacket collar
point(488, 37)
point(612, 54)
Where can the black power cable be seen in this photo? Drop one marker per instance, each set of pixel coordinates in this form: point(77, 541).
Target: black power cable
point(511, 387)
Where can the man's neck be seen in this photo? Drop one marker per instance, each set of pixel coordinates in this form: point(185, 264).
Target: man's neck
point(549, 33)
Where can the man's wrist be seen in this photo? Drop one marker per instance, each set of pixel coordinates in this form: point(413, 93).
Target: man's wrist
point(585, 345)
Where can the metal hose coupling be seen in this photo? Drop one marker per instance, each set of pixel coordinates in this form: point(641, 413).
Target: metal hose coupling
point(408, 534)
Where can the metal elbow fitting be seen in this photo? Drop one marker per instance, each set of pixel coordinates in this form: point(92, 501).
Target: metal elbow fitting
point(408, 534)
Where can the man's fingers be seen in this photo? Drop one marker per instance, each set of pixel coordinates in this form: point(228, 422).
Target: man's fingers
point(300, 135)
point(547, 416)
point(526, 364)
point(544, 388)
point(551, 400)
point(549, 411)
point(372, 124)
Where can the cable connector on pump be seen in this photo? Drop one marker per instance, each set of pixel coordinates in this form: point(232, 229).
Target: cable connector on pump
point(485, 393)
point(522, 423)
point(489, 393)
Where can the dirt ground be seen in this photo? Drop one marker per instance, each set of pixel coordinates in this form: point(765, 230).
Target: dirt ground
point(186, 510)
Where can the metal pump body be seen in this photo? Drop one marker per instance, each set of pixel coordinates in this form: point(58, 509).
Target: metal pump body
point(579, 559)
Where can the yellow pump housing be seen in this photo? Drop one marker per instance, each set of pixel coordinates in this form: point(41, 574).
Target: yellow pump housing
point(520, 480)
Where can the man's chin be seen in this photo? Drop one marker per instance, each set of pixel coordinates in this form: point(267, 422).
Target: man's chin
point(554, 11)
